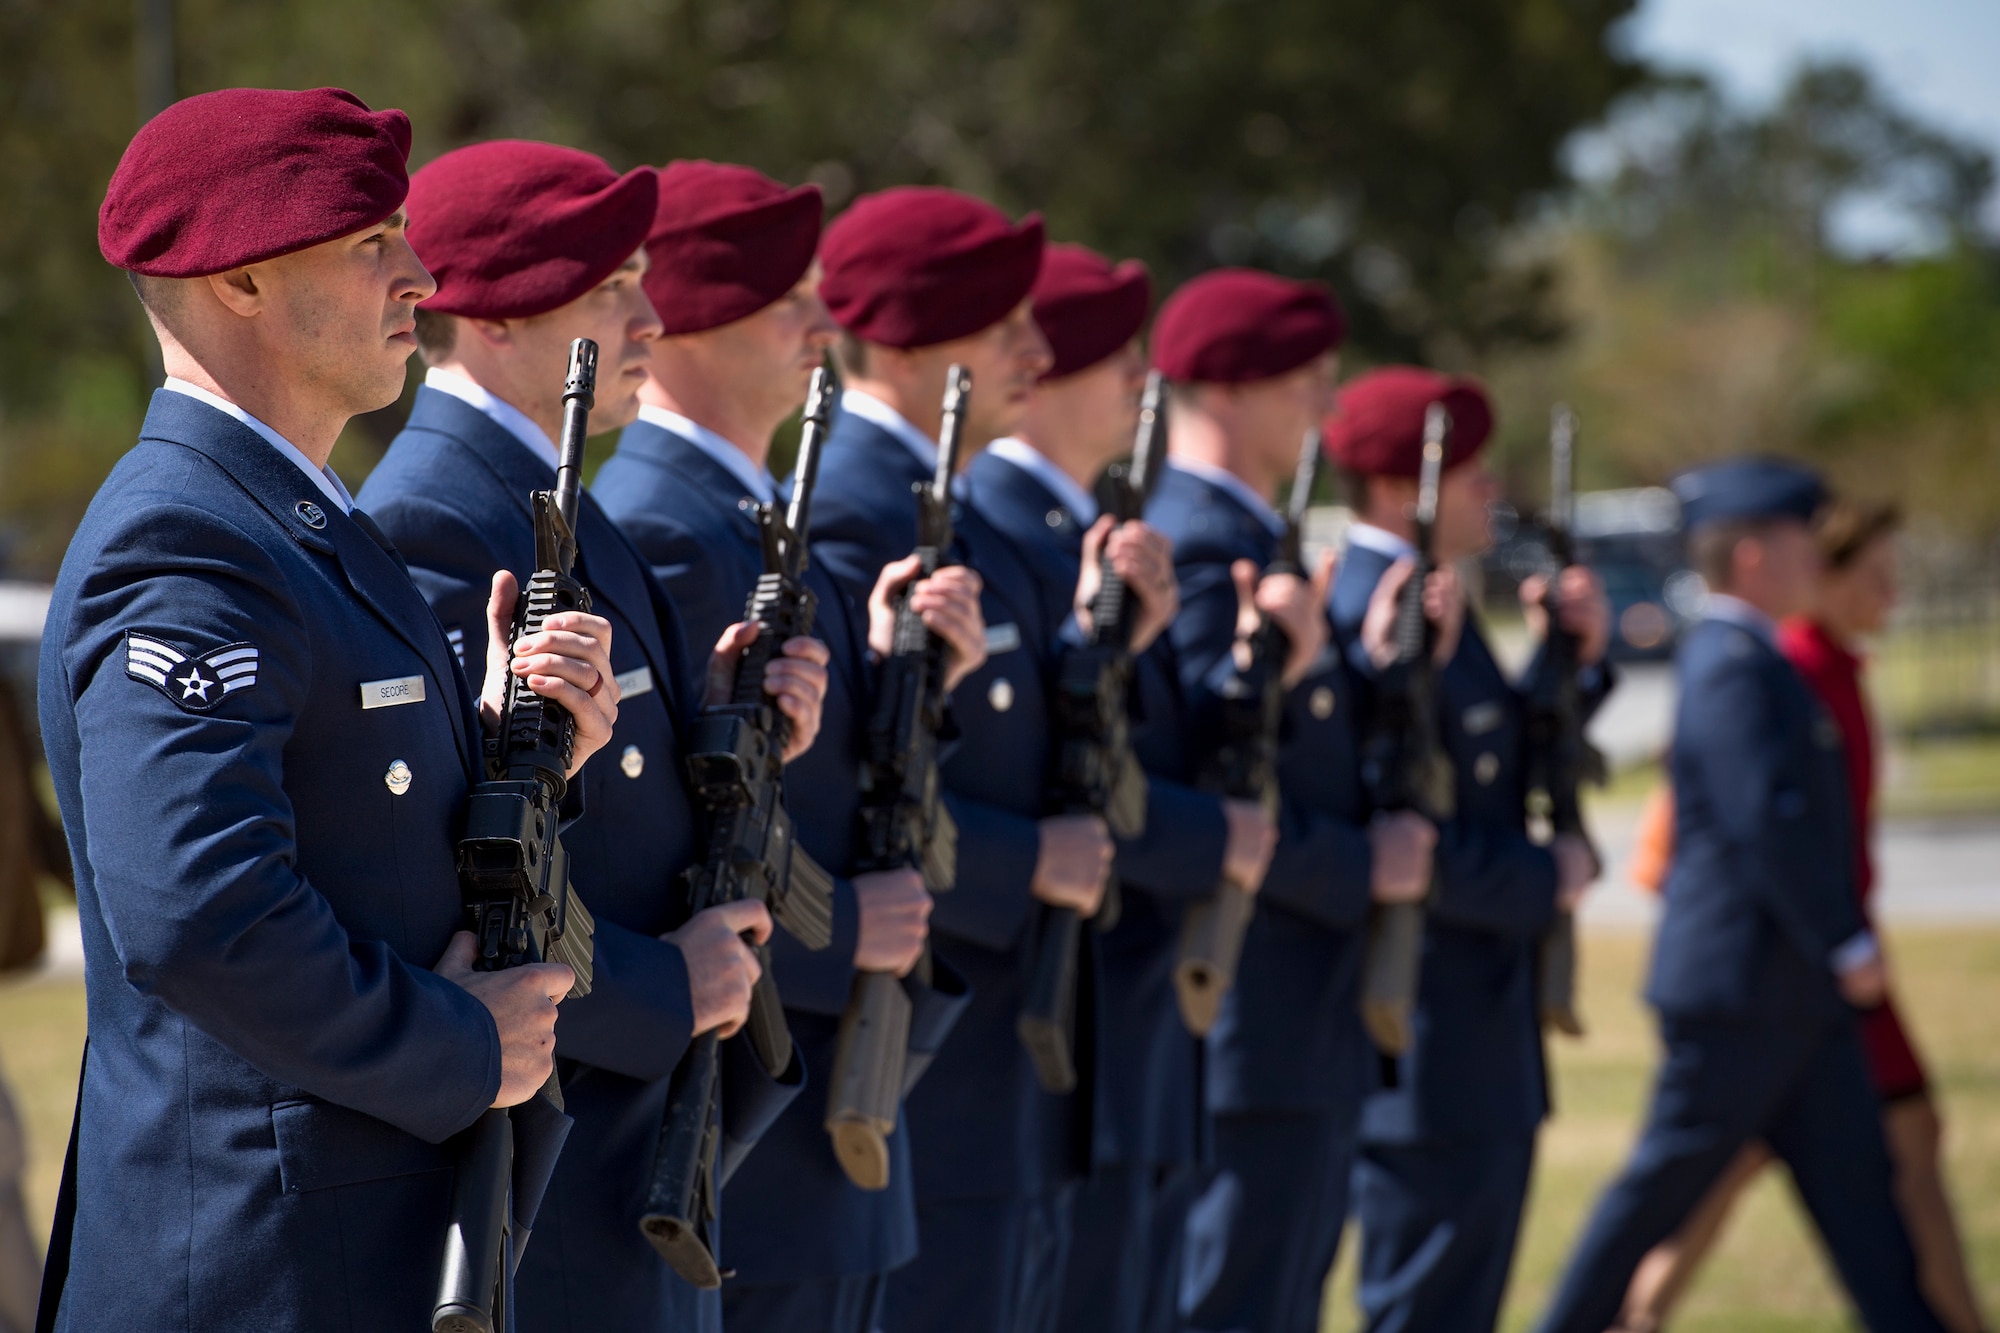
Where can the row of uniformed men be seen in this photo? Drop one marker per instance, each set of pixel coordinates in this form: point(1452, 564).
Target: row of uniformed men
point(263, 704)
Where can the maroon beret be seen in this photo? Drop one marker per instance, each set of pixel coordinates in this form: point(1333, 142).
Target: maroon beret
point(918, 265)
point(514, 228)
point(1238, 324)
point(1377, 427)
point(1088, 308)
point(246, 174)
point(726, 242)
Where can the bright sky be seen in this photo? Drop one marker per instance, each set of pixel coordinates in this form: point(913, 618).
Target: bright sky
point(1937, 57)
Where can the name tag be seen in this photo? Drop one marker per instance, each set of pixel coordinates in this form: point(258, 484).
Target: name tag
point(390, 693)
point(637, 681)
point(1002, 639)
point(1482, 718)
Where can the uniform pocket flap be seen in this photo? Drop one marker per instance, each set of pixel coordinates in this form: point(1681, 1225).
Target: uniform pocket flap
point(321, 1145)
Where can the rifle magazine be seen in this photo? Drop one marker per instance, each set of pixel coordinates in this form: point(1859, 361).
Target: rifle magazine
point(805, 907)
point(1047, 1023)
point(868, 1064)
point(680, 1198)
point(1211, 948)
point(1391, 971)
point(941, 851)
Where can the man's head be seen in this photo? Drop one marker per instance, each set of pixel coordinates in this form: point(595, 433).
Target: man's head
point(1859, 588)
point(1091, 312)
point(1376, 436)
point(1749, 525)
point(1252, 357)
point(920, 278)
point(534, 246)
point(263, 231)
point(737, 288)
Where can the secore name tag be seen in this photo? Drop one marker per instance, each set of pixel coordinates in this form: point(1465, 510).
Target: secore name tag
point(637, 681)
point(390, 693)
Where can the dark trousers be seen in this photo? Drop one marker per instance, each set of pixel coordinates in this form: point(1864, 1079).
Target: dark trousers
point(1262, 1234)
point(1439, 1219)
point(984, 1266)
point(824, 1305)
point(1124, 1259)
point(1804, 1092)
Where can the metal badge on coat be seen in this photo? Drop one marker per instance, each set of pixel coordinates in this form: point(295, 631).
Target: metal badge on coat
point(1321, 702)
point(633, 762)
point(1000, 694)
point(1486, 768)
point(392, 693)
point(398, 778)
point(310, 514)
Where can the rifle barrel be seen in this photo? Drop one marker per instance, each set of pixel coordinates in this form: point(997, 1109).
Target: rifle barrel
point(818, 418)
point(579, 397)
point(951, 430)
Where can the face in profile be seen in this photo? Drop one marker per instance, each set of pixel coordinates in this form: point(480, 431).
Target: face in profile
point(1858, 597)
point(1007, 360)
point(618, 317)
point(347, 310)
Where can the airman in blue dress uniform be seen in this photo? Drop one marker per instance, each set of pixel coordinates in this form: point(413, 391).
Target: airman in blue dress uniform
point(1034, 486)
point(919, 279)
point(1251, 356)
point(534, 245)
point(262, 746)
point(1448, 1134)
point(732, 274)
point(1762, 957)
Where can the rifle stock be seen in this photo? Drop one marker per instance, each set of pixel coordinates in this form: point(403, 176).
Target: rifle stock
point(514, 880)
point(904, 824)
point(736, 767)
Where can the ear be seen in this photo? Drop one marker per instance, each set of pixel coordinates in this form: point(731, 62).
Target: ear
point(492, 332)
point(239, 290)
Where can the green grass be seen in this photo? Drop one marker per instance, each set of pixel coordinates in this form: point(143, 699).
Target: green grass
point(1767, 1275)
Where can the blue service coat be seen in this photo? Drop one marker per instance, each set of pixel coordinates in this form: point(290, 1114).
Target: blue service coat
point(980, 1124)
point(273, 1066)
point(1289, 1037)
point(794, 1215)
point(453, 492)
point(1148, 1065)
point(1475, 1065)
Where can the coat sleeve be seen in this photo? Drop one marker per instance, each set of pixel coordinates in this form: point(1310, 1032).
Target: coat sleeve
point(1323, 869)
point(1179, 855)
point(204, 901)
point(997, 852)
point(1493, 879)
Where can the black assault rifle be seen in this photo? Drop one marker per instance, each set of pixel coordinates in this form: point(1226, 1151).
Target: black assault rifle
point(1095, 771)
point(1560, 758)
point(1404, 766)
point(513, 876)
point(904, 824)
point(736, 767)
point(1244, 768)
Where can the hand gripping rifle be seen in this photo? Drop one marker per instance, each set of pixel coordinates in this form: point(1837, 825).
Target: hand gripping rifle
point(1404, 766)
point(904, 824)
point(1560, 758)
point(736, 767)
point(1095, 771)
point(513, 875)
point(1244, 768)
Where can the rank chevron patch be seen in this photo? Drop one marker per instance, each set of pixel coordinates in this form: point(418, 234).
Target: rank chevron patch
point(197, 683)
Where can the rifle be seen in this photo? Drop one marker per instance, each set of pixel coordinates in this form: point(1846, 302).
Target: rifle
point(736, 767)
point(1560, 757)
point(1095, 771)
point(904, 824)
point(1245, 768)
point(513, 876)
point(1404, 766)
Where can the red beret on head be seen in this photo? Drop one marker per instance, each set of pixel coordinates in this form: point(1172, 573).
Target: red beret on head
point(1377, 428)
point(514, 228)
point(726, 242)
point(918, 265)
point(1238, 324)
point(1087, 308)
point(246, 174)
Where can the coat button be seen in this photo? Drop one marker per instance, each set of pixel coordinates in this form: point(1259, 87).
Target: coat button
point(1486, 768)
point(1321, 702)
point(632, 763)
point(1053, 518)
point(397, 779)
point(1000, 694)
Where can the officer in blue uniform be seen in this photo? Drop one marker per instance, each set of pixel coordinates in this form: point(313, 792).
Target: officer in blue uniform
point(733, 276)
point(1251, 356)
point(1033, 486)
point(1762, 957)
point(264, 856)
point(533, 246)
point(1448, 1136)
point(919, 279)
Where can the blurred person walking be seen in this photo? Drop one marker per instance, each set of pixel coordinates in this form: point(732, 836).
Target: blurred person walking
point(1857, 592)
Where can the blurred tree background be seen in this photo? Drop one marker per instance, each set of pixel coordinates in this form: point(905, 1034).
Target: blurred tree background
point(1490, 185)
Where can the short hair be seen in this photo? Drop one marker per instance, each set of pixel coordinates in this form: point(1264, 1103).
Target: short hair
point(437, 334)
point(160, 296)
point(852, 354)
point(1712, 549)
point(1846, 528)
point(1354, 485)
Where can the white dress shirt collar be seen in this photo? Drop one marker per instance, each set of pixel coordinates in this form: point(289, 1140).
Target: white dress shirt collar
point(1735, 611)
point(873, 410)
point(752, 478)
point(1059, 483)
point(504, 415)
point(1380, 540)
point(1237, 488)
point(322, 477)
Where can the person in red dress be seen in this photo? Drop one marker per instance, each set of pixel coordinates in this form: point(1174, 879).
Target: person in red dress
point(1857, 592)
